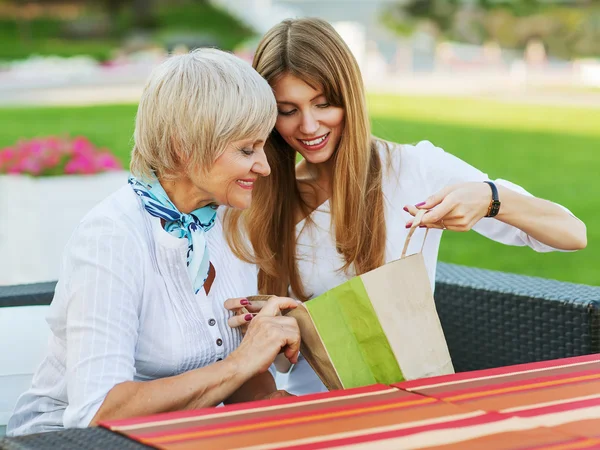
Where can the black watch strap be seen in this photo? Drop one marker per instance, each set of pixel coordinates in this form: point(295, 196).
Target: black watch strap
point(494, 207)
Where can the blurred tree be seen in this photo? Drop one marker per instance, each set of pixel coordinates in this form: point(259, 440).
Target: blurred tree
point(567, 28)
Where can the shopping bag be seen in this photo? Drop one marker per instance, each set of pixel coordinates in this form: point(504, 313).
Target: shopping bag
point(378, 327)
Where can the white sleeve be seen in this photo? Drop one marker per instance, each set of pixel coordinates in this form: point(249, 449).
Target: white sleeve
point(442, 169)
point(104, 285)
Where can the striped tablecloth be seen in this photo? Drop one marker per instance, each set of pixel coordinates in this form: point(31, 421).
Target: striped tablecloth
point(551, 405)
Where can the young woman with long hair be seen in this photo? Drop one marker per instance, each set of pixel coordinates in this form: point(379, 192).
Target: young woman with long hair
point(344, 208)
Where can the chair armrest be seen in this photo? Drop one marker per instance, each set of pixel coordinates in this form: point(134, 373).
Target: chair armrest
point(27, 294)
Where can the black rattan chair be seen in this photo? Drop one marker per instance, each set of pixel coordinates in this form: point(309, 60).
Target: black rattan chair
point(490, 318)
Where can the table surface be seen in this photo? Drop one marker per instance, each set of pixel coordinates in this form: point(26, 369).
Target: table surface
point(552, 404)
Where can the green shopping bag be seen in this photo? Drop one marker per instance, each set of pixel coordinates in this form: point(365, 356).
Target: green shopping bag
point(379, 327)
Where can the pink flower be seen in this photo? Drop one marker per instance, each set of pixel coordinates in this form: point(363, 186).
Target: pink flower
point(55, 155)
point(107, 161)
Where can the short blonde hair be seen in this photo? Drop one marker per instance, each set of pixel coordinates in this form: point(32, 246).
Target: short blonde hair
point(192, 107)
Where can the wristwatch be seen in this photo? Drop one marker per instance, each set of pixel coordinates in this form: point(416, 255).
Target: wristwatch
point(494, 207)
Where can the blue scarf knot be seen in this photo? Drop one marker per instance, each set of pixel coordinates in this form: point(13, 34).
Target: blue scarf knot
point(191, 226)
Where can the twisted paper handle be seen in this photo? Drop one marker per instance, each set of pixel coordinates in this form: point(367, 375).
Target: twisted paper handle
point(416, 222)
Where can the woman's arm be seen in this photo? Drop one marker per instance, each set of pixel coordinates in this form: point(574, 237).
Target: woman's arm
point(198, 388)
point(463, 205)
point(242, 376)
point(542, 220)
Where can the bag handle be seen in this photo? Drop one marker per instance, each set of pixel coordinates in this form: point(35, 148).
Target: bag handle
point(416, 222)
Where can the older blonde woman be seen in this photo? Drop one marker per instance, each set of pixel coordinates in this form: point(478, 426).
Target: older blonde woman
point(138, 319)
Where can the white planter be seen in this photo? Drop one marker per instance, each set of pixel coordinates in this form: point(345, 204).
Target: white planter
point(37, 217)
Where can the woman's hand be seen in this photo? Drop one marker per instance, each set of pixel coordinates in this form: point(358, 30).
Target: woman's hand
point(267, 335)
point(277, 394)
point(244, 309)
point(461, 206)
point(458, 207)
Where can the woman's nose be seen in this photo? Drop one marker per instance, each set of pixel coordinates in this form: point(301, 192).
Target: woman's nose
point(309, 125)
point(261, 167)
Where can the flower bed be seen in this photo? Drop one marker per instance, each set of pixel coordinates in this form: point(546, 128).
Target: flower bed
point(47, 185)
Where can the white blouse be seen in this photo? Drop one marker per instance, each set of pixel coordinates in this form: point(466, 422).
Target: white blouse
point(414, 173)
point(124, 309)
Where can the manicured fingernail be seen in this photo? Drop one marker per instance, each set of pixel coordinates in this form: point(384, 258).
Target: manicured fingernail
point(420, 204)
point(422, 226)
point(405, 209)
point(248, 317)
point(408, 225)
point(244, 302)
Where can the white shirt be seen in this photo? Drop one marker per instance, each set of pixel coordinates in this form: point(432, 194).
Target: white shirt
point(124, 309)
point(414, 173)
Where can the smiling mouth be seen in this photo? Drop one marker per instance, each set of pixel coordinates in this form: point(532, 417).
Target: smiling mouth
point(315, 142)
point(246, 184)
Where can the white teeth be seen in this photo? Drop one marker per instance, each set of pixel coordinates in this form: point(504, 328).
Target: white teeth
point(315, 141)
point(245, 183)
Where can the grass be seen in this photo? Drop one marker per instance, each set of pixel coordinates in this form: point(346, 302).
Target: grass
point(552, 152)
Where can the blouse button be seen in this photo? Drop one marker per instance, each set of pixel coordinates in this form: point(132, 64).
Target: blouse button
point(212, 322)
point(219, 342)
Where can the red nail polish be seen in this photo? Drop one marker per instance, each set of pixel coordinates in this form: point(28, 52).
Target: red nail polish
point(244, 302)
point(422, 226)
point(248, 317)
point(408, 225)
point(420, 204)
point(405, 209)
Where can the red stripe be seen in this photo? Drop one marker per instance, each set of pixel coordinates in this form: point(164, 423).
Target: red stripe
point(497, 371)
point(244, 406)
point(521, 383)
point(479, 420)
point(398, 402)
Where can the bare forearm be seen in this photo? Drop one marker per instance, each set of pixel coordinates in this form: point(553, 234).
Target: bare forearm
point(542, 220)
point(256, 388)
point(207, 386)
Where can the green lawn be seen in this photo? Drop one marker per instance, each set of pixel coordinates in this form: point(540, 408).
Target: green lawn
point(552, 152)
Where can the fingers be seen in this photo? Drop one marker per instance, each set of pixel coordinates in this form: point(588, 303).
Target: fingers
point(291, 350)
point(435, 199)
point(270, 335)
point(277, 304)
point(240, 320)
point(438, 213)
point(243, 305)
point(235, 304)
point(411, 209)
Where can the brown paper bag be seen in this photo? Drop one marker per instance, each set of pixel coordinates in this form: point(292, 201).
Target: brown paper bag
point(379, 327)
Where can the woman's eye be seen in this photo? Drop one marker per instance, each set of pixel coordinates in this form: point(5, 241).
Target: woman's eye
point(287, 113)
point(323, 105)
point(247, 151)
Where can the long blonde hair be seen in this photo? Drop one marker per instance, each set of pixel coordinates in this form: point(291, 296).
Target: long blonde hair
point(311, 50)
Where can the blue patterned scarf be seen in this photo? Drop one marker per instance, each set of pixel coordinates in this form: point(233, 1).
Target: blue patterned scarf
point(191, 226)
